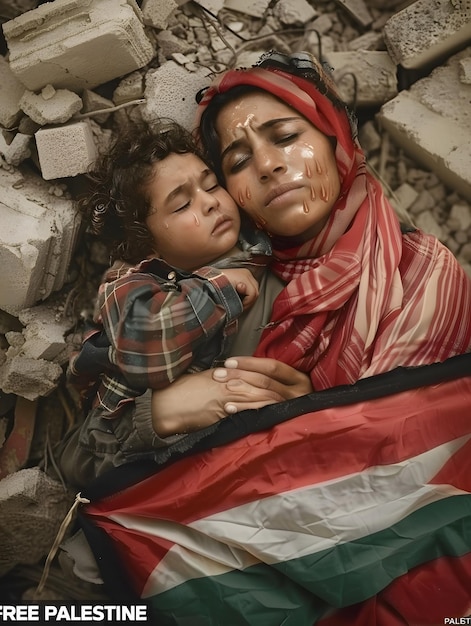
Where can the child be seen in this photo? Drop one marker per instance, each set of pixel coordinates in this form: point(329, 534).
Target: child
point(182, 275)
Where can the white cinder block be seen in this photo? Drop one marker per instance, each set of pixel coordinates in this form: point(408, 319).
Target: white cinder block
point(255, 8)
point(294, 13)
point(432, 122)
point(50, 108)
point(65, 150)
point(170, 92)
point(34, 505)
point(427, 30)
point(157, 12)
point(375, 74)
point(77, 44)
point(11, 90)
point(38, 232)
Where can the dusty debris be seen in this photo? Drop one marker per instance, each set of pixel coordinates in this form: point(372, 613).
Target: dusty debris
point(432, 122)
point(32, 505)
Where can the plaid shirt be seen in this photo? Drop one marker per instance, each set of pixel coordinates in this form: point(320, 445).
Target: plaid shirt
point(156, 323)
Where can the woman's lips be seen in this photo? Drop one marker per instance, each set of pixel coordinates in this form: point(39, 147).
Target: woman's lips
point(278, 192)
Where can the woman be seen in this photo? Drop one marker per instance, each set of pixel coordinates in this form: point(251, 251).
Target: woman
point(362, 296)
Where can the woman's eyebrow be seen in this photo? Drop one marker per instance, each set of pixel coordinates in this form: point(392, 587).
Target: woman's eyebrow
point(264, 126)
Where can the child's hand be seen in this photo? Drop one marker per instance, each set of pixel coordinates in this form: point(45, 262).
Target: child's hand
point(244, 283)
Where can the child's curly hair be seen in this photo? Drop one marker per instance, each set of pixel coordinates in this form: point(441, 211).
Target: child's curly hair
point(117, 204)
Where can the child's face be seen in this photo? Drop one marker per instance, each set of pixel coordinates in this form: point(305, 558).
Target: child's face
point(193, 220)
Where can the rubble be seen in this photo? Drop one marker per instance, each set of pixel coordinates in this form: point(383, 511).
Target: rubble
point(60, 42)
point(426, 31)
point(65, 151)
point(11, 90)
point(50, 106)
point(358, 10)
point(432, 122)
point(32, 506)
point(29, 378)
point(365, 78)
point(37, 237)
point(167, 92)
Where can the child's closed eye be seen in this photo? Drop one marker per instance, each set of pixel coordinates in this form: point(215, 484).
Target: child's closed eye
point(182, 208)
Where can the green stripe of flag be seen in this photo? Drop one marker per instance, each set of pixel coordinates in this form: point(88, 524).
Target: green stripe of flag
point(297, 592)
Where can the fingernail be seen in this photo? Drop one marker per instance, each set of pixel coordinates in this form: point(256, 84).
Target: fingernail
point(220, 374)
point(230, 408)
point(231, 363)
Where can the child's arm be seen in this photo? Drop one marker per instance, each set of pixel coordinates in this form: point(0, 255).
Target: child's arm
point(155, 326)
point(244, 283)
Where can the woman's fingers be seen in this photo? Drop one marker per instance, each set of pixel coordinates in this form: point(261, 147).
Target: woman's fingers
point(267, 374)
point(195, 401)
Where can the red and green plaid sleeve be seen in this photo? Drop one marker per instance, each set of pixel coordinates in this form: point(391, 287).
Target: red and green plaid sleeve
point(155, 326)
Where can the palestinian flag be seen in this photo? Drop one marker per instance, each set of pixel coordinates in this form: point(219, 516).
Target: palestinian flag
point(348, 506)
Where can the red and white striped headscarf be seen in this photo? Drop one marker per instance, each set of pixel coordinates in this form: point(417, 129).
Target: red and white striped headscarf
point(362, 298)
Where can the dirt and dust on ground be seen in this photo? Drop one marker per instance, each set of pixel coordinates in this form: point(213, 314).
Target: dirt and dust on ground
point(37, 406)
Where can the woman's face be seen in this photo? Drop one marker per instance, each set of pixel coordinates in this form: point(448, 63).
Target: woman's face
point(278, 167)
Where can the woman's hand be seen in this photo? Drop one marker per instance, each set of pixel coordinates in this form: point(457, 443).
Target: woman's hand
point(247, 377)
point(196, 401)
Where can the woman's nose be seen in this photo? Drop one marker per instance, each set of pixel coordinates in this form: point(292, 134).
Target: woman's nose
point(269, 161)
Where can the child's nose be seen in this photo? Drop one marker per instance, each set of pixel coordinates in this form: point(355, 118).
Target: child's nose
point(209, 201)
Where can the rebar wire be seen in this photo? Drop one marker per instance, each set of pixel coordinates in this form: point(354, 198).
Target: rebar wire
point(203, 12)
point(354, 103)
point(80, 116)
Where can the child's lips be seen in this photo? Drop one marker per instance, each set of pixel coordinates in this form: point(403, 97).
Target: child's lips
point(222, 224)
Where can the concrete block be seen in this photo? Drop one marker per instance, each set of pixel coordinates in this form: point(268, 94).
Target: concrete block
point(156, 12)
point(65, 150)
point(17, 150)
point(404, 197)
point(44, 332)
point(32, 507)
point(368, 41)
point(294, 13)
point(11, 90)
point(427, 222)
point(48, 107)
point(77, 44)
point(432, 123)
point(38, 232)
point(130, 88)
point(255, 8)
point(464, 70)
point(29, 378)
point(427, 31)
point(375, 76)
point(460, 213)
point(170, 92)
point(358, 10)
point(171, 44)
point(92, 101)
point(214, 6)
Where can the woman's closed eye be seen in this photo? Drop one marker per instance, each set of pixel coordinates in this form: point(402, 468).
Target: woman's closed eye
point(237, 163)
point(287, 138)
